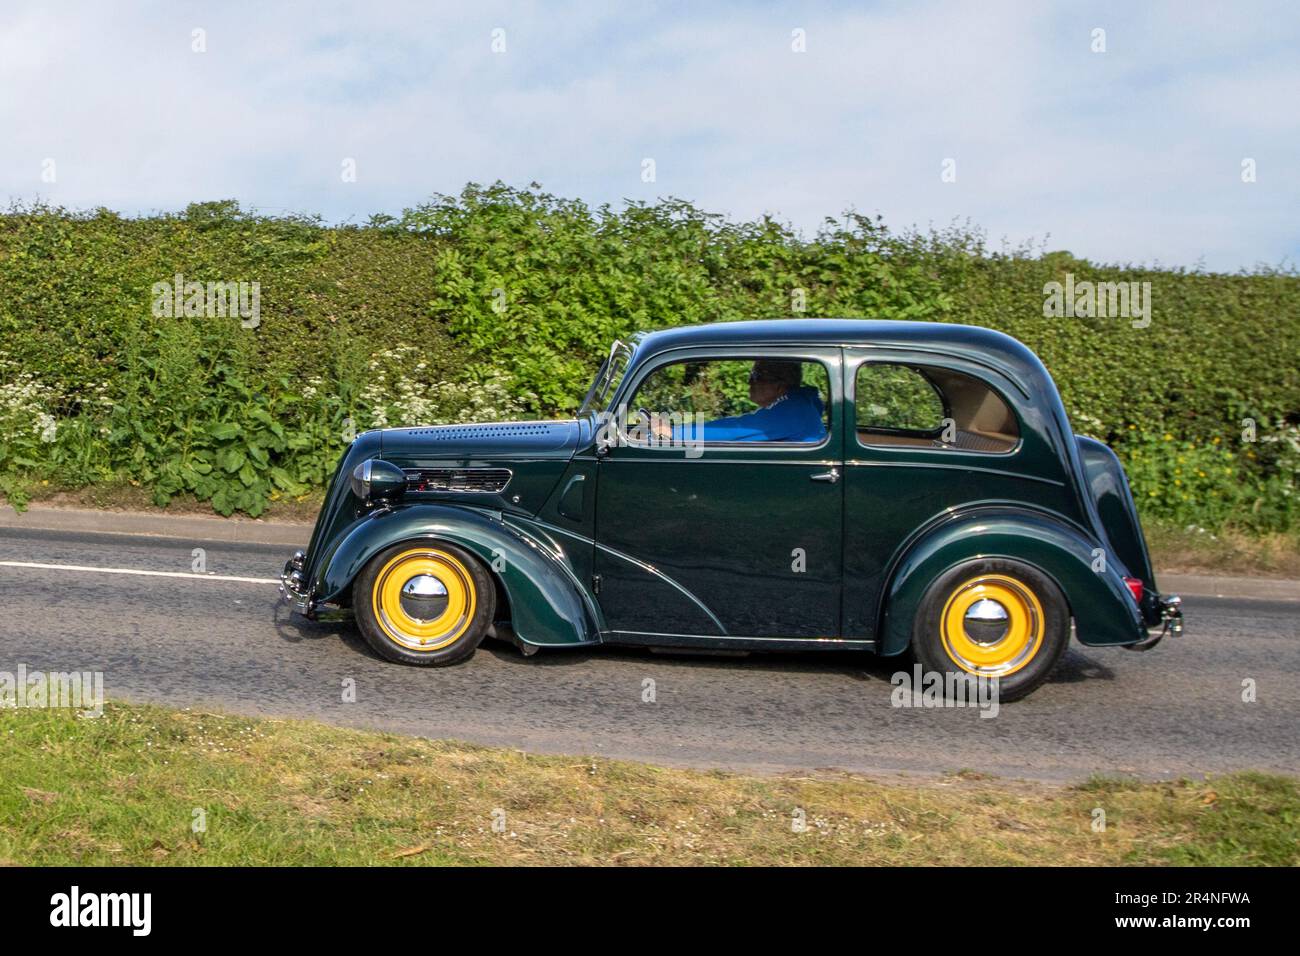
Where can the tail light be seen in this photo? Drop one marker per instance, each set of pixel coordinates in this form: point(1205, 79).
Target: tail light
point(1135, 586)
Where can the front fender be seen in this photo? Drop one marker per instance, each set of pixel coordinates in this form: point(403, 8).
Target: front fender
point(1100, 602)
point(548, 607)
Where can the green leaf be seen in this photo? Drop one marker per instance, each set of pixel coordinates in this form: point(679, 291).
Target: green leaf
point(234, 460)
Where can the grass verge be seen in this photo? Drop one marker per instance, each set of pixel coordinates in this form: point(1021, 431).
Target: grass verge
point(1196, 551)
point(127, 788)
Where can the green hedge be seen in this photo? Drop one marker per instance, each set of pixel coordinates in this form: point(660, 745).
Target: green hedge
point(499, 302)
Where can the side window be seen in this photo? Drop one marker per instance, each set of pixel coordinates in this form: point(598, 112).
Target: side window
point(931, 407)
point(896, 398)
point(736, 400)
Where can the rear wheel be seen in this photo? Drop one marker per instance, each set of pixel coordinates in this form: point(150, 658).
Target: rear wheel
point(424, 603)
point(994, 619)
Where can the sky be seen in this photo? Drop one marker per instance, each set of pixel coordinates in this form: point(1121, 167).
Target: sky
point(1006, 115)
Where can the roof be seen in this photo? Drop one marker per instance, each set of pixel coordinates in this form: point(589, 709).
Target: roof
point(985, 345)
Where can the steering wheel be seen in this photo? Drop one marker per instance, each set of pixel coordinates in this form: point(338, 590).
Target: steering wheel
point(645, 424)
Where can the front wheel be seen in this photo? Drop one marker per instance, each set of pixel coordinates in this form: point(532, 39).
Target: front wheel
point(993, 619)
point(424, 603)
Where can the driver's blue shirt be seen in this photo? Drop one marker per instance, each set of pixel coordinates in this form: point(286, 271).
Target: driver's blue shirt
point(795, 416)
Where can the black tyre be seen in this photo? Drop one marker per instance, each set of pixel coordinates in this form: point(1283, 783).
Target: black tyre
point(424, 602)
point(993, 618)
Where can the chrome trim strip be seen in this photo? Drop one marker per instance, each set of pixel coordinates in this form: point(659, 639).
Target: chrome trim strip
point(656, 573)
point(821, 643)
point(950, 466)
point(719, 461)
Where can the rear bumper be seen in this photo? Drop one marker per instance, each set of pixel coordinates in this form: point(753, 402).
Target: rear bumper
point(1171, 622)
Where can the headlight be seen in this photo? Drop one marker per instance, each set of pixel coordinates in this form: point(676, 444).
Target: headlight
point(376, 480)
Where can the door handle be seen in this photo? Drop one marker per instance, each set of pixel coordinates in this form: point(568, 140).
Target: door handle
point(832, 476)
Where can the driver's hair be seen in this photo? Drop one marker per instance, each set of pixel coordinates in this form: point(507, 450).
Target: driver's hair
point(787, 373)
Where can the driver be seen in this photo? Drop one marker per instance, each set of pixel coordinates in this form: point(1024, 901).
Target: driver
point(788, 410)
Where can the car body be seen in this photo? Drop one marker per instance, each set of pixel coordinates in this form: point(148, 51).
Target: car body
point(589, 531)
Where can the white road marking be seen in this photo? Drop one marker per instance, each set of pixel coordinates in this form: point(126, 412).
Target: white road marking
point(152, 574)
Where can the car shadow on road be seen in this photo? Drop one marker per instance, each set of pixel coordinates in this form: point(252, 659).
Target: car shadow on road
point(1074, 667)
point(856, 665)
point(293, 629)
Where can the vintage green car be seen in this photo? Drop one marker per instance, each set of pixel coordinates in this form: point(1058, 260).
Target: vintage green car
point(808, 484)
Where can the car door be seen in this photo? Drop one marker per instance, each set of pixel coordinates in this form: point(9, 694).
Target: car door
point(725, 539)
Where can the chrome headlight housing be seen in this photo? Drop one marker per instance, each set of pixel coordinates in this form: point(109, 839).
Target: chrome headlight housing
point(377, 480)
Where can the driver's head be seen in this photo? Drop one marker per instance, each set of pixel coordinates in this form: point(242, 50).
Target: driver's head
point(769, 379)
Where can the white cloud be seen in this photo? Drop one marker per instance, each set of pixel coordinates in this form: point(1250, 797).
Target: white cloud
point(1133, 154)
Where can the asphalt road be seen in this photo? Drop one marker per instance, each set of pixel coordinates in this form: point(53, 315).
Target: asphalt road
point(231, 645)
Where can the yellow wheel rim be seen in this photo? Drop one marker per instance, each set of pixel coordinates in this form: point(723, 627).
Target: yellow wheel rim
point(992, 625)
point(424, 599)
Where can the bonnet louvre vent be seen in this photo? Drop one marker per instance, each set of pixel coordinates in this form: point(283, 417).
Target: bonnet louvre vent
point(462, 432)
point(474, 480)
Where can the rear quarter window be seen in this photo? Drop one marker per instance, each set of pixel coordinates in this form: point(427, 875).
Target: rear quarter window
point(931, 407)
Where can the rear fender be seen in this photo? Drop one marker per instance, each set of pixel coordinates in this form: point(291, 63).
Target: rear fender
point(1101, 604)
point(1117, 512)
point(548, 607)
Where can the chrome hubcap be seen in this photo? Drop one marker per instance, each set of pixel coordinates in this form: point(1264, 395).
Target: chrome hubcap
point(424, 597)
point(986, 621)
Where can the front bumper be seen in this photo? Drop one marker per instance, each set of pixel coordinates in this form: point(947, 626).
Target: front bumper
point(1171, 621)
point(293, 586)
